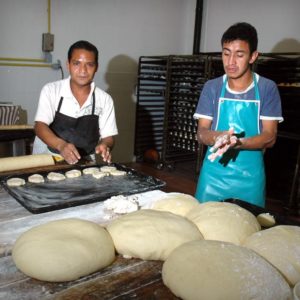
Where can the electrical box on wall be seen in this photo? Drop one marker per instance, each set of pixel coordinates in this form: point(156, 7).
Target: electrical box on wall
point(48, 42)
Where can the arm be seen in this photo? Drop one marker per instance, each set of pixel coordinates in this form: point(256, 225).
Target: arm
point(266, 139)
point(104, 148)
point(67, 150)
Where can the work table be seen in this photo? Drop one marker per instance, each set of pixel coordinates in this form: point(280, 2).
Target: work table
point(124, 279)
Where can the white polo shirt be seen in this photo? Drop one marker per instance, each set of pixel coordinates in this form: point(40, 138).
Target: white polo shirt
point(49, 100)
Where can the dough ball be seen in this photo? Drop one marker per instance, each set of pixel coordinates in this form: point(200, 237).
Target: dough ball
point(90, 170)
point(99, 174)
point(150, 234)
point(108, 169)
point(117, 173)
point(296, 291)
point(54, 176)
point(280, 245)
point(176, 203)
point(63, 250)
point(15, 181)
point(36, 178)
point(213, 270)
point(73, 173)
point(266, 220)
point(224, 221)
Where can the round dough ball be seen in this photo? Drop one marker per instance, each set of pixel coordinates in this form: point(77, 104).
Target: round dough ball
point(176, 203)
point(54, 176)
point(36, 178)
point(224, 221)
point(117, 173)
point(15, 181)
point(90, 170)
point(266, 220)
point(150, 234)
point(63, 250)
point(73, 173)
point(108, 169)
point(99, 174)
point(280, 245)
point(213, 270)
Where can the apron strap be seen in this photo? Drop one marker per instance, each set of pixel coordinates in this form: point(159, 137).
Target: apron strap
point(60, 103)
point(93, 109)
point(257, 97)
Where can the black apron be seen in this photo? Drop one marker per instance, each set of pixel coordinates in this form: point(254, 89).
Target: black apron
point(83, 132)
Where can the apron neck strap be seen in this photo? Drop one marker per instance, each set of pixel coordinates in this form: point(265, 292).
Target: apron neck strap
point(255, 87)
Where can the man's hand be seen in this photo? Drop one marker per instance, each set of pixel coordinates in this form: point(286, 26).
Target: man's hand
point(222, 144)
point(69, 152)
point(104, 151)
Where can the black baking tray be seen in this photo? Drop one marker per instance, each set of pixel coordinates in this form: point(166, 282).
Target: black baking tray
point(256, 210)
point(54, 195)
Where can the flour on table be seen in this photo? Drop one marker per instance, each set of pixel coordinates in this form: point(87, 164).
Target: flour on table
point(36, 178)
point(15, 181)
point(121, 204)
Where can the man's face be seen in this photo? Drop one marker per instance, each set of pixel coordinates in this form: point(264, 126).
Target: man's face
point(82, 67)
point(237, 59)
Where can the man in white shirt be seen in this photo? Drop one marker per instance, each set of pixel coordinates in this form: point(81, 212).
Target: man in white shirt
point(74, 118)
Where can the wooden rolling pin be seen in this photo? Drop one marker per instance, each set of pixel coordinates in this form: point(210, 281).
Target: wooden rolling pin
point(25, 161)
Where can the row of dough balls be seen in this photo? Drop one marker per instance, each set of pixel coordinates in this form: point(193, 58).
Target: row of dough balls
point(55, 176)
point(208, 250)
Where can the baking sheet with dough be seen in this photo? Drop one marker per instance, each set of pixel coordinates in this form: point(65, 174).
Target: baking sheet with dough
point(48, 196)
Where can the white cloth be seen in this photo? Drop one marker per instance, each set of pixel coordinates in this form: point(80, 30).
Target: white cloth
point(49, 100)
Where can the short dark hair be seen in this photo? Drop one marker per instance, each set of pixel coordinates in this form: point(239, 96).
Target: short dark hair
point(241, 31)
point(83, 45)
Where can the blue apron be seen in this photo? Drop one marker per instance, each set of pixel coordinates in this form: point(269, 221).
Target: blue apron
point(239, 173)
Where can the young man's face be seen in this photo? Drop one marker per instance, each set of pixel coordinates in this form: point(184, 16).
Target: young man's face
point(82, 67)
point(237, 59)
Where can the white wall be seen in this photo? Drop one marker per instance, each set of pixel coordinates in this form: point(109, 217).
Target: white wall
point(277, 23)
point(124, 30)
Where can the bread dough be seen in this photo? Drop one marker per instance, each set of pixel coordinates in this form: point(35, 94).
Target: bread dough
point(15, 181)
point(266, 220)
point(150, 234)
point(280, 245)
point(36, 178)
point(224, 221)
point(54, 176)
point(25, 161)
point(99, 174)
point(176, 203)
point(63, 250)
point(108, 169)
point(117, 173)
point(213, 270)
point(73, 173)
point(91, 170)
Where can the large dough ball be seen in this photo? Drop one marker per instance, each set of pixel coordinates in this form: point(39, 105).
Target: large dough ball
point(224, 221)
point(150, 234)
point(280, 245)
point(63, 250)
point(211, 270)
point(176, 203)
